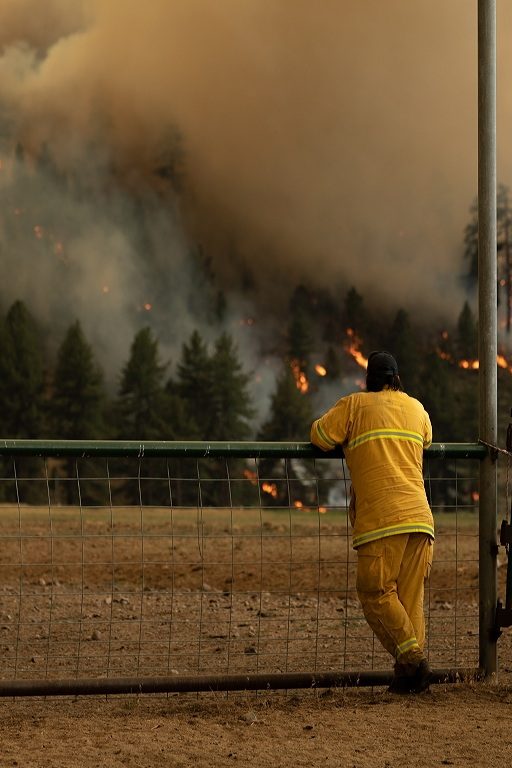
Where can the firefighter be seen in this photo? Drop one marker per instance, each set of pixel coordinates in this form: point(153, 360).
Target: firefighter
point(383, 432)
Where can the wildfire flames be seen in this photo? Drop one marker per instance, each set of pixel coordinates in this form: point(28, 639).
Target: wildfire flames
point(301, 381)
point(472, 365)
point(353, 348)
point(270, 488)
point(251, 476)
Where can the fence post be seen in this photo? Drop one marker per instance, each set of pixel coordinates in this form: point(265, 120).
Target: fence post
point(487, 341)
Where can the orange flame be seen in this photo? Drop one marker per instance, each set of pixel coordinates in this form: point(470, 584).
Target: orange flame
point(473, 365)
point(320, 370)
point(298, 504)
point(270, 488)
point(301, 381)
point(353, 348)
point(250, 475)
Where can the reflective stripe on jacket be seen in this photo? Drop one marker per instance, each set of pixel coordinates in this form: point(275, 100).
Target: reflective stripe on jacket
point(383, 435)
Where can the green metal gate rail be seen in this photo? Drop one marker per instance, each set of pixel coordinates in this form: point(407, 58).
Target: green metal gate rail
point(194, 683)
point(194, 449)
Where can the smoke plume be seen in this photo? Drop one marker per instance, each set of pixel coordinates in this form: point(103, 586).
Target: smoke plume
point(333, 143)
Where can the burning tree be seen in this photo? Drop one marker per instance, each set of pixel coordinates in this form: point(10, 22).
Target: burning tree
point(289, 419)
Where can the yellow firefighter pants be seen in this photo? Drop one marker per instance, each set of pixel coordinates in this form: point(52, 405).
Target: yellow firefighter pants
point(391, 574)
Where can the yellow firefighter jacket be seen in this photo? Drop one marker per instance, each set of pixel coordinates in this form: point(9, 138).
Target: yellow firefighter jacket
point(383, 435)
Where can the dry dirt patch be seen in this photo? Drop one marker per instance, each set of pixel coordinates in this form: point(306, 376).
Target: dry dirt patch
point(452, 725)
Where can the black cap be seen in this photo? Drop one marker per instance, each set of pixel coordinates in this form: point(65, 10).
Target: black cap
point(382, 363)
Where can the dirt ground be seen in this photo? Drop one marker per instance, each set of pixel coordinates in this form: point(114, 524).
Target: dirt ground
point(86, 598)
point(456, 725)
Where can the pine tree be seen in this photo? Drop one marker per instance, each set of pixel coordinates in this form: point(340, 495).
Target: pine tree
point(21, 375)
point(333, 363)
point(467, 337)
point(231, 401)
point(290, 411)
point(141, 401)
point(436, 395)
point(402, 343)
point(76, 405)
point(354, 313)
point(78, 395)
point(195, 387)
point(299, 336)
point(289, 419)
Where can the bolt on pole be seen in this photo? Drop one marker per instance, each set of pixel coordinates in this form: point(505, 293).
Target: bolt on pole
point(487, 341)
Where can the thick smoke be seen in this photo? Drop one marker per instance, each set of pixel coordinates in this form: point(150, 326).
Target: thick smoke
point(333, 143)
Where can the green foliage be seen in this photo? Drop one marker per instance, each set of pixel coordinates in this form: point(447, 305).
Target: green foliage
point(290, 411)
point(289, 419)
point(231, 401)
point(467, 336)
point(332, 363)
point(299, 335)
point(21, 375)
point(437, 395)
point(78, 395)
point(140, 405)
point(355, 315)
point(402, 342)
point(195, 387)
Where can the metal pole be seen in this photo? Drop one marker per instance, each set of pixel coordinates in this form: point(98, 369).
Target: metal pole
point(487, 315)
point(83, 449)
point(200, 683)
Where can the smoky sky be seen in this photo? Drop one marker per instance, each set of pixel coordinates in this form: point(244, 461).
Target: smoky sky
point(332, 142)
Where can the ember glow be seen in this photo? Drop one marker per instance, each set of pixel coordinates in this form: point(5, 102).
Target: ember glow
point(320, 370)
point(353, 347)
point(251, 476)
point(301, 381)
point(270, 488)
point(471, 365)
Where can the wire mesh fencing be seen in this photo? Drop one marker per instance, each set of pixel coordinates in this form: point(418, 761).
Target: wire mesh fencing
point(115, 566)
